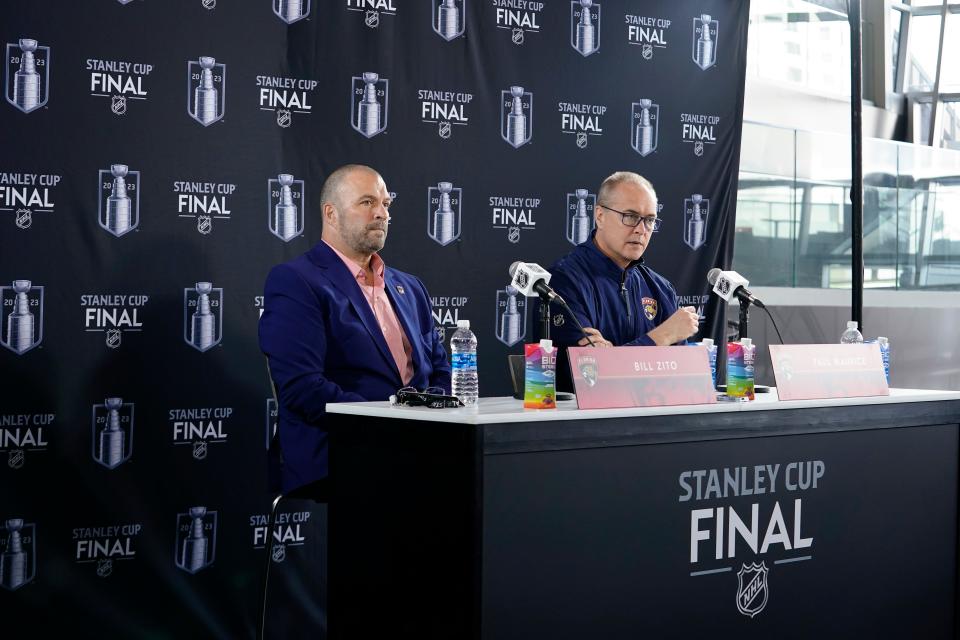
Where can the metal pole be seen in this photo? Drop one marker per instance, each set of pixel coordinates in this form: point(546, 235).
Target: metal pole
point(856, 143)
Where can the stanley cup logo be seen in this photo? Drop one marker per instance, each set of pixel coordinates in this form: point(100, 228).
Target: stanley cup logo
point(511, 316)
point(119, 199)
point(644, 126)
point(22, 316)
point(112, 432)
point(585, 26)
point(443, 213)
point(705, 31)
point(206, 90)
point(695, 211)
point(370, 98)
point(580, 206)
point(27, 75)
point(272, 418)
point(285, 206)
point(196, 539)
point(19, 560)
point(203, 316)
point(449, 18)
point(291, 11)
point(516, 116)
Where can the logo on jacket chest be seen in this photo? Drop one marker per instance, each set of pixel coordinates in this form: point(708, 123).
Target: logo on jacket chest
point(649, 308)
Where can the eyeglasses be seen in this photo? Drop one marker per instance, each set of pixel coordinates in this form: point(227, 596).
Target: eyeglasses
point(652, 223)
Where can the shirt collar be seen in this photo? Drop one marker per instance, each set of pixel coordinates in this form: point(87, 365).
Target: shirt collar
point(376, 263)
point(600, 258)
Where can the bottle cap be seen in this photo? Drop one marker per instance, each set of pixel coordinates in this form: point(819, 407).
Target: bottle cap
point(852, 324)
point(546, 345)
point(746, 342)
point(707, 342)
point(463, 324)
point(883, 340)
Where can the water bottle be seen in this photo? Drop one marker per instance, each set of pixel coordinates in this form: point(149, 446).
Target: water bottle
point(885, 355)
point(852, 335)
point(463, 349)
point(711, 357)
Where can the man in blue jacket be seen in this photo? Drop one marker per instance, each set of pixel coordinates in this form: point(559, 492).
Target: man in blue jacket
point(340, 326)
point(619, 300)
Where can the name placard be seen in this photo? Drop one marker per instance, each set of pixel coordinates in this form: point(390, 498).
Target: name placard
point(615, 377)
point(818, 371)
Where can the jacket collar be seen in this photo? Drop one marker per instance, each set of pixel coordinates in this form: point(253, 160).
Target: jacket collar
point(597, 259)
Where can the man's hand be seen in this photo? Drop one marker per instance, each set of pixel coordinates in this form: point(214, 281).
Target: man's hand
point(596, 337)
point(681, 325)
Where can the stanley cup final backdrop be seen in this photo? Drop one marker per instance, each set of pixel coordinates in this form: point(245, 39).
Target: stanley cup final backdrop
point(159, 156)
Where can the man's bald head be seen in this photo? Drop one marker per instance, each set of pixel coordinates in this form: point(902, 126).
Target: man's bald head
point(332, 191)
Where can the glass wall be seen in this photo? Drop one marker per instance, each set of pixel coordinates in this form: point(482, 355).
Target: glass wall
point(793, 223)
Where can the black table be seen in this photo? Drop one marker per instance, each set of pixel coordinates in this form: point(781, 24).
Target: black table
point(504, 523)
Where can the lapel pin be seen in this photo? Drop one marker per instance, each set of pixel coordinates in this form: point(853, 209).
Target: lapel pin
point(400, 289)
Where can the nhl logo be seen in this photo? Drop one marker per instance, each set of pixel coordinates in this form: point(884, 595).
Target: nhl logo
point(27, 75)
point(105, 568)
point(285, 206)
point(705, 31)
point(517, 36)
point(18, 539)
point(511, 325)
point(196, 542)
point(118, 104)
point(291, 11)
point(113, 338)
point(647, 51)
point(199, 450)
point(558, 320)
point(585, 26)
point(206, 90)
point(696, 210)
point(21, 323)
point(443, 213)
point(516, 116)
point(698, 148)
point(112, 432)
point(279, 553)
point(204, 224)
point(449, 18)
point(23, 218)
point(513, 234)
point(644, 126)
point(582, 140)
point(372, 19)
point(752, 592)
point(284, 118)
point(203, 316)
point(119, 204)
point(15, 459)
point(209, 5)
point(370, 97)
point(587, 366)
point(444, 129)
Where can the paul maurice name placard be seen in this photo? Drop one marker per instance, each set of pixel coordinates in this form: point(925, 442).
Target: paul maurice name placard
point(819, 371)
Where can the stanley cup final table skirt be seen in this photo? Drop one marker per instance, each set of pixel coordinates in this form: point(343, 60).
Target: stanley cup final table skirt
point(770, 519)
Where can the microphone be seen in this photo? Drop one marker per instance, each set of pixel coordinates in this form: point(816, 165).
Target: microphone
point(531, 280)
point(728, 284)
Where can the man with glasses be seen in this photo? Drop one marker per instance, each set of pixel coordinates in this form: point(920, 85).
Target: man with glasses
point(340, 326)
point(619, 300)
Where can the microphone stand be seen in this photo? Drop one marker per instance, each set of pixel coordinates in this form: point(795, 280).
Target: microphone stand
point(744, 317)
point(545, 316)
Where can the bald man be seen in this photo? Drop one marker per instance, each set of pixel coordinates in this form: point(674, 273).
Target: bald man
point(619, 300)
point(340, 326)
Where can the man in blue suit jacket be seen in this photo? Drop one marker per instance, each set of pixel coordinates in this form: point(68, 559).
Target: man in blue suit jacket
point(340, 326)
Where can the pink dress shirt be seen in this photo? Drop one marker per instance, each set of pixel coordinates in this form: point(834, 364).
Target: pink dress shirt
point(376, 295)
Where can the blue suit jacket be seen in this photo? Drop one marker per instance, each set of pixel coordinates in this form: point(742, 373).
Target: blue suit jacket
point(324, 345)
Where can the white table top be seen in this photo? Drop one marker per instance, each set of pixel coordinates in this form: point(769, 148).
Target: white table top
point(507, 409)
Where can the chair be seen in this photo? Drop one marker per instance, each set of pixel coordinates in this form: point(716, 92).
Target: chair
point(316, 491)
